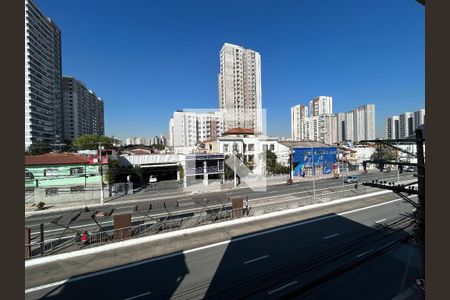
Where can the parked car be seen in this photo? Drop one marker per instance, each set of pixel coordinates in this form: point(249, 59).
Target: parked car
point(351, 179)
point(152, 179)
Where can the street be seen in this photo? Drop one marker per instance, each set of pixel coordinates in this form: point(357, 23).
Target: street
point(290, 259)
point(189, 204)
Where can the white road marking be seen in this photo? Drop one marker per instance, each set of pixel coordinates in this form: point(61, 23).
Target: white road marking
point(45, 286)
point(255, 259)
point(379, 221)
point(34, 262)
point(330, 236)
point(364, 253)
point(282, 287)
point(138, 296)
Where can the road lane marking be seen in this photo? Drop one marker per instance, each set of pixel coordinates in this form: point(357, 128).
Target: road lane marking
point(330, 236)
point(282, 287)
point(29, 263)
point(255, 259)
point(364, 253)
point(379, 221)
point(138, 296)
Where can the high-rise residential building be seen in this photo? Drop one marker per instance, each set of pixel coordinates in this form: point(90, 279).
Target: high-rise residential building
point(240, 91)
point(392, 128)
point(171, 127)
point(419, 118)
point(189, 128)
point(321, 105)
point(349, 126)
point(43, 106)
point(364, 122)
point(340, 127)
point(83, 111)
point(298, 114)
point(406, 124)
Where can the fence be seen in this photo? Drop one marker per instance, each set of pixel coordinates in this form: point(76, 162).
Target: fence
point(151, 227)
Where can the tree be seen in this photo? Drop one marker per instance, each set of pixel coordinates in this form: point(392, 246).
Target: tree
point(158, 146)
point(385, 153)
point(114, 172)
point(90, 142)
point(271, 161)
point(39, 148)
point(181, 170)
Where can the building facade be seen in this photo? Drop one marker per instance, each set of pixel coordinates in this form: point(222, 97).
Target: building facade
point(83, 111)
point(419, 118)
point(240, 94)
point(406, 124)
point(43, 106)
point(299, 113)
point(340, 127)
point(392, 127)
point(364, 122)
point(321, 105)
point(187, 129)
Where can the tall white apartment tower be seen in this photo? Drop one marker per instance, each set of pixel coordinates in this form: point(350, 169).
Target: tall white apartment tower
point(322, 105)
point(364, 122)
point(43, 104)
point(349, 126)
point(340, 127)
point(392, 128)
point(419, 118)
point(406, 124)
point(240, 88)
point(298, 114)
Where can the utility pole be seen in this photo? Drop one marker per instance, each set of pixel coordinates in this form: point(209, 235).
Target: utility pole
point(234, 163)
point(313, 174)
point(420, 232)
point(101, 172)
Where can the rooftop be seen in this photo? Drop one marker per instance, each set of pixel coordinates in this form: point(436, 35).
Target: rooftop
point(55, 159)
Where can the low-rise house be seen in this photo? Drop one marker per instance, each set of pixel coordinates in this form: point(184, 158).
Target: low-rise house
point(61, 169)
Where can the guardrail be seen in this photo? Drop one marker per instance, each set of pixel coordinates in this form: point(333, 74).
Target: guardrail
point(150, 227)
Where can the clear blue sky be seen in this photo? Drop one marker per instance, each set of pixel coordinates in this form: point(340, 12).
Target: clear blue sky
point(148, 58)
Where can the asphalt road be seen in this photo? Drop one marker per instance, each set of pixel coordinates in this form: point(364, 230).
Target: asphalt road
point(189, 204)
point(289, 261)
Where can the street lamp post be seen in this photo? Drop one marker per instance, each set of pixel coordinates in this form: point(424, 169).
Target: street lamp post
point(291, 175)
point(314, 174)
point(101, 172)
point(234, 163)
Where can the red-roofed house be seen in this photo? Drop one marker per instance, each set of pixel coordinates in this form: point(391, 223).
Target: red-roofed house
point(61, 169)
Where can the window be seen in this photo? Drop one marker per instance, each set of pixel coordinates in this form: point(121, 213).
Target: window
point(272, 147)
point(51, 172)
point(225, 148)
point(264, 147)
point(251, 147)
point(76, 171)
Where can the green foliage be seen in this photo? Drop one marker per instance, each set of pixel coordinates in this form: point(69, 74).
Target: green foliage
point(114, 172)
point(181, 170)
point(271, 161)
point(39, 148)
point(158, 146)
point(90, 142)
point(385, 153)
point(229, 172)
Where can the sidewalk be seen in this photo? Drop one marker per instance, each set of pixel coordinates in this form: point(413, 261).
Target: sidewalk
point(142, 196)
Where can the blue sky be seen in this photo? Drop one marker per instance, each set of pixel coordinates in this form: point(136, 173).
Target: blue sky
point(148, 58)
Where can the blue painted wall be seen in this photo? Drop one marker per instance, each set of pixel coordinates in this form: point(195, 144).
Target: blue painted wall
point(307, 158)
